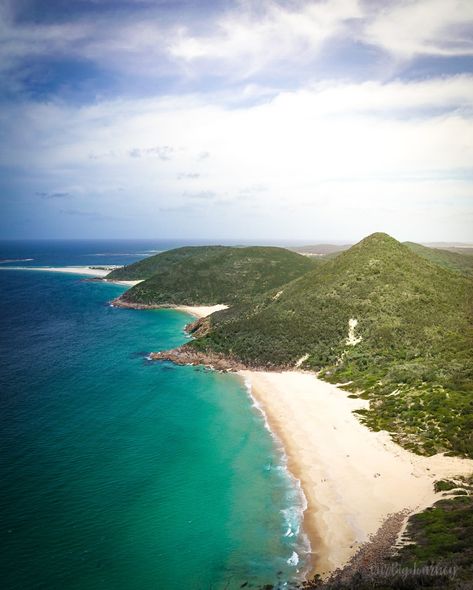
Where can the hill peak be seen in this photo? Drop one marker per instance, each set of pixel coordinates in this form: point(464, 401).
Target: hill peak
point(378, 238)
point(379, 247)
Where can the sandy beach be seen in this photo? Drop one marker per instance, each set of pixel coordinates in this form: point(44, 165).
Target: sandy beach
point(352, 478)
point(124, 283)
point(201, 311)
point(77, 270)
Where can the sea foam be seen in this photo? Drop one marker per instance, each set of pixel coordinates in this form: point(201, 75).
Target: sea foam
point(294, 513)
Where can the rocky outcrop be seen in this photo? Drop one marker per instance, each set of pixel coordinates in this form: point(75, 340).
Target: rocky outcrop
point(199, 328)
point(186, 355)
point(120, 302)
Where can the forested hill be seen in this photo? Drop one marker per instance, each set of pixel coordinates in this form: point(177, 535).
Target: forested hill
point(413, 334)
point(459, 261)
point(143, 269)
point(211, 275)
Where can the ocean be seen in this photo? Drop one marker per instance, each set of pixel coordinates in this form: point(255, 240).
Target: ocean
point(117, 472)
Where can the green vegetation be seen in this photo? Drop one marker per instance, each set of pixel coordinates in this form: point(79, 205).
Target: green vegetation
point(453, 260)
point(443, 533)
point(458, 259)
point(210, 275)
point(143, 269)
point(413, 361)
point(466, 250)
point(444, 485)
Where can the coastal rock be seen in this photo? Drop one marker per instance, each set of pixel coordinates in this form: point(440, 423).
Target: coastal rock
point(120, 302)
point(199, 328)
point(185, 355)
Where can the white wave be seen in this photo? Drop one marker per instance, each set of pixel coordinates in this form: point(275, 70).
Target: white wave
point(294, 513)
point(289, 533)
point(256, 404)
point(292, 519)
point(294, 559)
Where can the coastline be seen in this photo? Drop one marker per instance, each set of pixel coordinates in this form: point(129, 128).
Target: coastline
point(90, 271)
point(354, 480)
point(198, 311)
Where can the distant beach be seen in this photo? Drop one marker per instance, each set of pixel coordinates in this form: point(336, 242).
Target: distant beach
point(77, 270)
point(353, 478)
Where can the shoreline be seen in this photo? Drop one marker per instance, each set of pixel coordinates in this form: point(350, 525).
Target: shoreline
point(354, 480)
point(280, 449)
point(198, 311)
point(89, 271)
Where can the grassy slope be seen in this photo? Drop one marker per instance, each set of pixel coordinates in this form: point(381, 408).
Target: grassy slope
point(461, 262)
point(213, 274)
point(415, 320)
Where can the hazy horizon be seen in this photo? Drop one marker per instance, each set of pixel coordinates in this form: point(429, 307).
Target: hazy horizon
point(232, 241)
point(280, 118)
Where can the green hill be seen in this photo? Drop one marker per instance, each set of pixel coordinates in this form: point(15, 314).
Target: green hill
point(453, 260)
point(414, 356)
point(458, 259)
point(210, 275)
point(143, 269)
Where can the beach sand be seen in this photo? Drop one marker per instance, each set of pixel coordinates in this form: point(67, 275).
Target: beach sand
point(124, 283)
point(77, 270)
point(353, 478)
point(201, 311)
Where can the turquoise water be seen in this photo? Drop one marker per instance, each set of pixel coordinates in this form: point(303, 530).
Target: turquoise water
point(121, 473)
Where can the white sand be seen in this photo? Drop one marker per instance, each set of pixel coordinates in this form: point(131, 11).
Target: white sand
point(352, 478)
point(77, 270)
point(124, 283)
point(201, 311)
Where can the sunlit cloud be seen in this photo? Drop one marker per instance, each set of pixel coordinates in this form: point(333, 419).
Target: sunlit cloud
point(431, 27)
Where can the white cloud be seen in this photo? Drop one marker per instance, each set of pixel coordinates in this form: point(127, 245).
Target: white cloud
point(250, 37)
point(251, 40)
point(269, 37)
point(417, 27)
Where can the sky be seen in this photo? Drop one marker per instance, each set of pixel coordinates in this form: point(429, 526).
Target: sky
point(312, 121)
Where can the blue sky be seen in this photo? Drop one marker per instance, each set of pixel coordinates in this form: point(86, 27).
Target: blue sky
point(306, 120)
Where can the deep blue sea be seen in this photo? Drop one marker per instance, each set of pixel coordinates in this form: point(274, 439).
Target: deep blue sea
point(117, 472)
